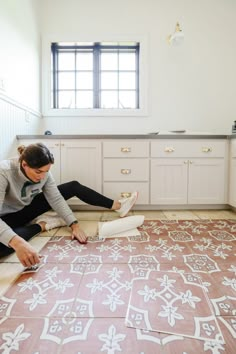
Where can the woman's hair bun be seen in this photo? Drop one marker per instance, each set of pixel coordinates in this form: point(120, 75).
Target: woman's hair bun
point(20, 149)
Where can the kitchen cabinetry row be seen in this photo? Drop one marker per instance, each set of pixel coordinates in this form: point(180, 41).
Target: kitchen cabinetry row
point(165, 171)
point(232, 174)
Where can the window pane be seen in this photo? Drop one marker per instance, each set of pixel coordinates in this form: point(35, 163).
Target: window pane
point(84, 99)
point(109, 81)
point(66, 61)
point(66, 81)
point(109, 61)
point(127, 81)
point(84, 81)
point(127, 61)
point(109, 99)
point(127, 99)
point(66, 99)
point(84, 61)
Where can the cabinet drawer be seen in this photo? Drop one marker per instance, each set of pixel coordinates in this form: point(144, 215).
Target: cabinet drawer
point(126, 148)
point(118, 190)
point(126, 170)
point(188, 148)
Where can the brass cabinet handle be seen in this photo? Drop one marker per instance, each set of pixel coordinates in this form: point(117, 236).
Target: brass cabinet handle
point(125, 149)
point(125, 171)
point(206, 149)
point(169, 149)
point(125, 194)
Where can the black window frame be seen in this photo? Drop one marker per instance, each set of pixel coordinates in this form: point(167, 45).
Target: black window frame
point(96, 48)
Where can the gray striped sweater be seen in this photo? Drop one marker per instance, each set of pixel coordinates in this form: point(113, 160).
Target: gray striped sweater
point(16, 192)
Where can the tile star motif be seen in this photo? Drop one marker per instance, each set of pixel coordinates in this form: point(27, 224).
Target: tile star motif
point(181, 236)
point(201, 263)
point(91, 263)
point(167, 251)
point(193, 227)
point(116, 249)
point(222, 235)
point(143, 262)
point(221, 250)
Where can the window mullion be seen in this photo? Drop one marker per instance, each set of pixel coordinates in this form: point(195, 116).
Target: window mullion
point(96, 75)
point(75, 78)
point(137, 75)
point(55, 74)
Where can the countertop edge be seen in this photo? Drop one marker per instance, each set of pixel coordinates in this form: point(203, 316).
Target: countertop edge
point(128, 136)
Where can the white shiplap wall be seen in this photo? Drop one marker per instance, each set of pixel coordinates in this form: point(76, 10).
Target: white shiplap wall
point(15, 119)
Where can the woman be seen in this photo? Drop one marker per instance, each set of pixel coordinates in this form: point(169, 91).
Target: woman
point(27, 190)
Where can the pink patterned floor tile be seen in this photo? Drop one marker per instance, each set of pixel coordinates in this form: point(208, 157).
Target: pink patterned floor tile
point(228, 328)
point(179, 276)
point(221, 292)
point(62, 249)
point(25, 335)
point(183, 345)
point(46, 291)
point(119, 250)
point(172, 303)
point(104, 291)
point(219, 251)
point(111, 336)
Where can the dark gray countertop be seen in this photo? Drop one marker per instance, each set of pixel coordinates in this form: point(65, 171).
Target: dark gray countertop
point(129, 136)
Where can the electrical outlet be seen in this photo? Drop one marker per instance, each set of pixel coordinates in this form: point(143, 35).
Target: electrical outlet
point(2, 84)
point(27, 117)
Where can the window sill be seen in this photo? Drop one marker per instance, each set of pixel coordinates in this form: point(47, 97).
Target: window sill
point(95, 113)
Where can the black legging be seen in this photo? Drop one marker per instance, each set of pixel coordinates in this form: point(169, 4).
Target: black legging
point(39, 205)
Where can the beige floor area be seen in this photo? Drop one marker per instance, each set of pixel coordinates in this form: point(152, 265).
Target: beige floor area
point(10, 266)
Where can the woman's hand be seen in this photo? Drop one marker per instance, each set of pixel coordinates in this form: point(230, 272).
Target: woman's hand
point(24, 251)
point(78, 234)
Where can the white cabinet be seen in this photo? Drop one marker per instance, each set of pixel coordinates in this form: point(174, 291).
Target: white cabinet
point(81, 161)
point(163, 171)
point(188, 172)
point(169, 181)
point(232, 173)
point(126, 169)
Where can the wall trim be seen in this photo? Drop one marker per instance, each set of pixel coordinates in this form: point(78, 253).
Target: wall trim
point(19, 105)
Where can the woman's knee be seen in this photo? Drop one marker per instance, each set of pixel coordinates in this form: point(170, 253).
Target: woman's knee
point(75, 185)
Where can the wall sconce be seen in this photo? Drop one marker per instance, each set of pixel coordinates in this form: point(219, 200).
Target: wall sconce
point(177, 37)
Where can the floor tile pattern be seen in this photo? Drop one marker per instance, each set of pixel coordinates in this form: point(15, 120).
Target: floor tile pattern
point(170, 290)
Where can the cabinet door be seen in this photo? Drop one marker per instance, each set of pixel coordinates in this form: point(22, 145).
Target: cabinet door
point(232, 173)
point(232, 182)
point(169, 181)
point(206, 181)
point(54, 147)
point(81, 161)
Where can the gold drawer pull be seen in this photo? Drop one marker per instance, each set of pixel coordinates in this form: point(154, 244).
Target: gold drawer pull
point(169, 149)
point(206, 149)
point(125, 149)
point(125, 194)
point(125, 171)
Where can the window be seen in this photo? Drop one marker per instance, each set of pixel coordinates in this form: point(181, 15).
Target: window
point(95, 75)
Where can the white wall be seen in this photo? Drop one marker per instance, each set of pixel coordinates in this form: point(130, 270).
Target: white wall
point(20, 48)
point(19, 71)
point(190, 86)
